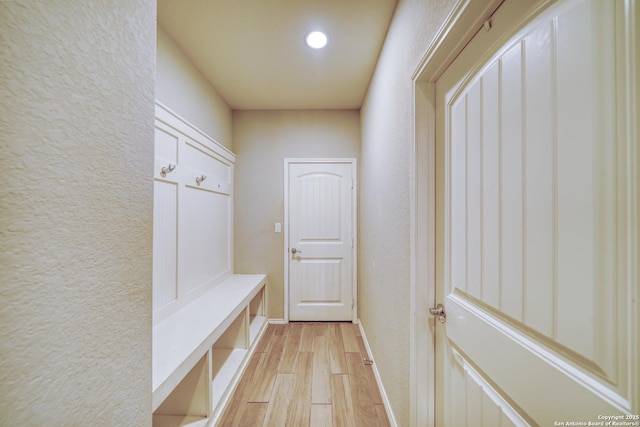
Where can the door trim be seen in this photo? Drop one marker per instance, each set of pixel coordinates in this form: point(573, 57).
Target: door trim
point(466, 18)
point(461, 25)
point(354, 227)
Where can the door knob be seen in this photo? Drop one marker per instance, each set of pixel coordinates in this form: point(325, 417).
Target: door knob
point(295, 251)
point(439, 313)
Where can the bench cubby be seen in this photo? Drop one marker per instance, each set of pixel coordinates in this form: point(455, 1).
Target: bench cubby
point(227, 355)
point(188, 403)
point(257, 314)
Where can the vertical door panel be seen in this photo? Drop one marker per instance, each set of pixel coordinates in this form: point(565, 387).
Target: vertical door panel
point(319, 212)
point(321, 280)
point(539, 190)
point(512, 181)
point(491, 165)
point(458, 182)
point(471, 129)
point(484, 406)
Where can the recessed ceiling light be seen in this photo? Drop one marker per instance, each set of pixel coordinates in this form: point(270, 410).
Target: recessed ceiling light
point(316, 39)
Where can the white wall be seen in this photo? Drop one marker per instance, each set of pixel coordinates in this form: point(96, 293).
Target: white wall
point(387, 132)
point(76, 114)
point(182, 87)
point(261, 141)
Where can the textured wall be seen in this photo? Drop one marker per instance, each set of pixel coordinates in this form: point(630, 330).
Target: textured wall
point(387, 132)
point(261, 141)
point(182, 87)
point(76, 122)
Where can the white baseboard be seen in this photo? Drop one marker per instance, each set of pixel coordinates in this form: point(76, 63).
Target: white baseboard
point(376, 374)
point(277, 321)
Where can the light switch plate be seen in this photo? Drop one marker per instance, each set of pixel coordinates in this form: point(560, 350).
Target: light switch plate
point(278, 227)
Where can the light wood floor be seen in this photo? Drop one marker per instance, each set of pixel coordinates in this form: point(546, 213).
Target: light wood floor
point(307, 374)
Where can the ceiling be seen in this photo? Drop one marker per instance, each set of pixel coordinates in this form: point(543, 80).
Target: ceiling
point(253, 51)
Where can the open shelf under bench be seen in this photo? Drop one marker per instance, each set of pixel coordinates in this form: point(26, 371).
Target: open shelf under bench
point(201, 350)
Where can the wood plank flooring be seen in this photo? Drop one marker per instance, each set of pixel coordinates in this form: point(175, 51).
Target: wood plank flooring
point(307, 374)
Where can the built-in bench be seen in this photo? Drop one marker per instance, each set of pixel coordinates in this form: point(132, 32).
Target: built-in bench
point(200, 351)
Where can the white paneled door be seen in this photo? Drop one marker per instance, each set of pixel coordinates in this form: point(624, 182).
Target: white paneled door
point(320, 239)
point(537, 219)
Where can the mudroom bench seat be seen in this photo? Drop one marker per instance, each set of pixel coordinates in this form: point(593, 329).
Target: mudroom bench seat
point(200, 351)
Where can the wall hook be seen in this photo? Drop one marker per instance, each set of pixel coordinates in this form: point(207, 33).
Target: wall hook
point(167, 169)
point(199, 179)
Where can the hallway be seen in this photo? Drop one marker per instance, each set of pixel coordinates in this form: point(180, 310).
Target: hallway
point(307, 374)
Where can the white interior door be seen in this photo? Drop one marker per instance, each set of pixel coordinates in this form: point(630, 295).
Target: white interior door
point(321, 239)
point(537, 219)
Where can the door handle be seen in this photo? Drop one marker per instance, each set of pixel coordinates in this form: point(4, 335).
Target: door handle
point(439, 313)
point(295, 251)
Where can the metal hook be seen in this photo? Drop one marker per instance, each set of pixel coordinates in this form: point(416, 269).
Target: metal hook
point(199, 179)
point(167, 169)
